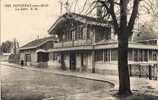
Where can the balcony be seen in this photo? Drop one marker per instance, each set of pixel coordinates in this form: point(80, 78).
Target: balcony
point(72, 43)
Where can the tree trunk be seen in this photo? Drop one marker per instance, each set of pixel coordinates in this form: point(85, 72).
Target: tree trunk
point(124, 81)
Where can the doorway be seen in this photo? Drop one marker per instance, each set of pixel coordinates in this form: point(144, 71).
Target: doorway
point(42, 57)
point(27, 59)
point(84, 61)
point(72, 61)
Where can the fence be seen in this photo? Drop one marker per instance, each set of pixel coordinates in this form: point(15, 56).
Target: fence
point(14, 58)
point(147, 71)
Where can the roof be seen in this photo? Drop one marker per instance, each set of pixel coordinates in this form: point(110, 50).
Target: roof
point(145, 36)
point(80, 18)
point(38, 42)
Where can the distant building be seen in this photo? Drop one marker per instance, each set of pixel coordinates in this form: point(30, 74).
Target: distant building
point(36, 52)
point(86, 43)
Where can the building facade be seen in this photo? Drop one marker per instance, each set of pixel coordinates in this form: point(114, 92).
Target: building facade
point(89, 44)
point(35, 53)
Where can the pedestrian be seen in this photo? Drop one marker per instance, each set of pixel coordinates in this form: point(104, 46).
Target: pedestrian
point(22, 62)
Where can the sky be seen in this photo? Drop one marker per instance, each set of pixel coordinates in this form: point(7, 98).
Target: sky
point(28, 25)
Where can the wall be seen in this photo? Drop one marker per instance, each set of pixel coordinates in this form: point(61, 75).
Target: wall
point(53, 62)
point(107, 68)
point(33, 57)
point(67, 60)
point(4, 58)
point(89, 62)
point(78, 61)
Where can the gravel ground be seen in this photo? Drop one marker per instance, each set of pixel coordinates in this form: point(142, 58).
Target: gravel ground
point(34, 84)
point(21, 84)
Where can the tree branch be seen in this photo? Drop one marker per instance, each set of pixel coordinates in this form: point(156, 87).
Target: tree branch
point(133, 16)
point(110, 10)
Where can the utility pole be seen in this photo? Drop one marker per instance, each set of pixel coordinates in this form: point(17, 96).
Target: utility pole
point(67, 6)
point(37, 36)
point(61, 6)
point(15, 46)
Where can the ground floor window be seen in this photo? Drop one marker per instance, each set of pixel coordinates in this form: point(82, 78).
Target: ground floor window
point(114, 54)
point(130, 54)
point(53, 56)
point(28, 57)
point(136, 55)
point(107, 55)
point(150, 55)
point(145, 55)
point(154, 56)
point(104, 55)
point(99, 55)
point(140, 55)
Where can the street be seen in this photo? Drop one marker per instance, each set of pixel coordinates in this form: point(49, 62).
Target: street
point(22, 84)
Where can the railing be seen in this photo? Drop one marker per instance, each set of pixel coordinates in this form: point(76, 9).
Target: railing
point(147, 71)
point(57, 45)
point(72, 43)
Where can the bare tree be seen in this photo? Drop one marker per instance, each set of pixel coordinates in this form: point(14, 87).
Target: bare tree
point(149, 7)
point(123, 27)
point(123, 14)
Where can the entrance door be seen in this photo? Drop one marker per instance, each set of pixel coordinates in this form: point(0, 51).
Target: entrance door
point(42, 57)
point(72, 61)
point(84, 62)
point(27, 59)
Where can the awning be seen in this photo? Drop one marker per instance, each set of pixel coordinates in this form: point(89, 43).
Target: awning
point(41, 50)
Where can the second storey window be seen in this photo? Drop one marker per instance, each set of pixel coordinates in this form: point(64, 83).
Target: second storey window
point(88, 33)
point(79, 33)
point(114, 54)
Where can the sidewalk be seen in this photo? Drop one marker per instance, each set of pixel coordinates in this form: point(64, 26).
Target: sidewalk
point(138, 85)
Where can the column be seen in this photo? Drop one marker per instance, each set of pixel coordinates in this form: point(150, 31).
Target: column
point(132, 55)
point(62, 61)
point(110, 54)
point(93, 61)
point(148, 55)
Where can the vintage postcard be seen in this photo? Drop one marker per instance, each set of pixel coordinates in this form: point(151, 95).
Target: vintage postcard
point(79, 49)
